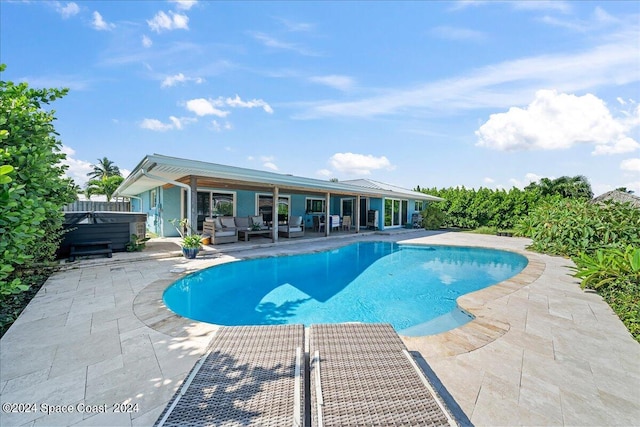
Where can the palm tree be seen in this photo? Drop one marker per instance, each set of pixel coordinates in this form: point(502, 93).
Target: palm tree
point(106, 186)
point(104, 169)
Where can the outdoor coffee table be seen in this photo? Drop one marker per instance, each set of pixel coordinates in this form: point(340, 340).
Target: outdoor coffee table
point(248, 233)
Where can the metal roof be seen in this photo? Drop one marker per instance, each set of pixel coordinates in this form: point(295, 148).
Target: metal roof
point(155, 170)
point(369, 183)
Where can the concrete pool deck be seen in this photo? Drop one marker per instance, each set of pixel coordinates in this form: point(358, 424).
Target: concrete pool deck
point(541, 351)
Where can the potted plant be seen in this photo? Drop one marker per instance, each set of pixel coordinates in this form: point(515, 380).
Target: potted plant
point(191, 244)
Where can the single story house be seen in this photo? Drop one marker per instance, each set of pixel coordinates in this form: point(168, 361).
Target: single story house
point(167, 188)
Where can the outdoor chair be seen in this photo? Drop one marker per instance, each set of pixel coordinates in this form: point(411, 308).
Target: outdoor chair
point(257, 221)
point(293, 228)
point(318, 223)
point(221, 230)
point(334, 221)
point(346, 222)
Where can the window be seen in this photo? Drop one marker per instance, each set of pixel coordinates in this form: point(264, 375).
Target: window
point(265, 207)
point(153, 201)
point(315, 206)
point(210, 204)
point(419, 206)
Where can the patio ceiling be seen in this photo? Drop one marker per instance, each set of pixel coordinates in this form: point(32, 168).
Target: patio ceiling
point(157, 170)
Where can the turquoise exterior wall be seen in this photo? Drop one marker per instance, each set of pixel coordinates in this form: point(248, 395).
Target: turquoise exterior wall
point(169, 207)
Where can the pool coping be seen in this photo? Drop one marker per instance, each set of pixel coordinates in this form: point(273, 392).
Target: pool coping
point(150, 309)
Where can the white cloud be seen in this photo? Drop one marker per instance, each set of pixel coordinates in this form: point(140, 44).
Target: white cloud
point(554, 5)
point(335, 81)
point(296, 26)
point(205, 107)
point(180, 78)
point(324, 173)
point(268, 162)
point(555, 121)
point(146, 41)
point(68, 10)
point(270, 165)
point(173, 21)
point(175, 123)
point(456, 33)
point(99, 23)
point(632, 165)
point(359, 164)
point(156, 125)
point(78, 169)
point(239, 103)
point(622, 145)
point(274, 43)
point(489, 180)
point(184, 4)
point(501, 85)
point(219, 127)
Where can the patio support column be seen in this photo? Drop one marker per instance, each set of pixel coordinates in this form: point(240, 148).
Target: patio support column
point(356, 210)
point(327, 220)
point(274, 214)
point(193, 200)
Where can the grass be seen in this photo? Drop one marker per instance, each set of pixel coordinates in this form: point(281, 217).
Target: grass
point(485, 229)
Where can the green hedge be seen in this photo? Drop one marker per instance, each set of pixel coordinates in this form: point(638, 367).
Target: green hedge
point(33, 188)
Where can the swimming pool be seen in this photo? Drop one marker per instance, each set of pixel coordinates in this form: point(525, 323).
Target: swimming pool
point(410, 286)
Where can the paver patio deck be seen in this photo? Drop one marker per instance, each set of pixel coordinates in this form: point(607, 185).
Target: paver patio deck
point(541, 351)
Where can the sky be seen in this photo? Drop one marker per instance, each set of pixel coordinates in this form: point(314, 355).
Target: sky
point(436, 94)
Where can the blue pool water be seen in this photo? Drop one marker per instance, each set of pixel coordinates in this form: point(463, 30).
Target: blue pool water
point(412, 287)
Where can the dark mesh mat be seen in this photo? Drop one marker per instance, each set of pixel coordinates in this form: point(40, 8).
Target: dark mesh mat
point(252, 376)
point(362, 375)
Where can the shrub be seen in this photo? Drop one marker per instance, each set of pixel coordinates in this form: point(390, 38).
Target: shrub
point(432, 217)
point(570, 227)
point(615, 274)
point(32, 184)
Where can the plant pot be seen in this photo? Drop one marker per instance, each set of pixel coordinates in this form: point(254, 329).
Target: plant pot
point(190, 253)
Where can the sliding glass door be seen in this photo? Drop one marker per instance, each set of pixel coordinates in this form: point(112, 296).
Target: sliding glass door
point(395, 212)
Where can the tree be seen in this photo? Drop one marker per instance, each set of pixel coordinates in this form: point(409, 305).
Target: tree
point(576, 187)
point(104, 169)
point(33, 188)
point(106, 186)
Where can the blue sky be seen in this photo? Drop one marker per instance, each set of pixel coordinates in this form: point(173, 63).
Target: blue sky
point(473, 93)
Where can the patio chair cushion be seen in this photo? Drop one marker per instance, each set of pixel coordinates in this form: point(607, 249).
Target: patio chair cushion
point(226, 232)
point(289, 228)
point(228, 222)
point(257, 220)
point(295, 221)
point(242, 222)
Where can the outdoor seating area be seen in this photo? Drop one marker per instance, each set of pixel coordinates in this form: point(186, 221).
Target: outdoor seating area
point(227, 229)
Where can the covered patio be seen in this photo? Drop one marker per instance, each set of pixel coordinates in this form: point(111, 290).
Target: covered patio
point(168, 188)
